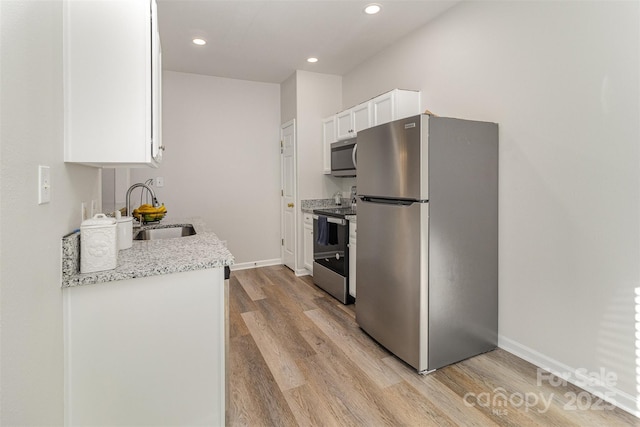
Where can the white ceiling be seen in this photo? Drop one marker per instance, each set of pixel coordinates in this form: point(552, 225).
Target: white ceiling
point(267, 41)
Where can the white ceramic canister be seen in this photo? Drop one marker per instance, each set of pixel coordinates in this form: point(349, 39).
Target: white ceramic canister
point(98, 244)
point(125, 231)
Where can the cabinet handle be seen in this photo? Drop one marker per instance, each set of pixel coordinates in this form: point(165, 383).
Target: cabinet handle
point(289, 205)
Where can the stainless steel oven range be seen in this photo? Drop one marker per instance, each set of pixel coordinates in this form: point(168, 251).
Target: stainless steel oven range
point(331, 252)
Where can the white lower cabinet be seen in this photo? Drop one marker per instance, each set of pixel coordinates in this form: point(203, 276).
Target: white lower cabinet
point(352, 258)
point(146, 351)
point(308, 242)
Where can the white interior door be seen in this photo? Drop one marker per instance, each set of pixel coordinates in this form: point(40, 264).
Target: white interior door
point(288, 193)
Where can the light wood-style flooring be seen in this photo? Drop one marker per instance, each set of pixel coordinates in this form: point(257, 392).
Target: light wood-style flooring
point(298, 358)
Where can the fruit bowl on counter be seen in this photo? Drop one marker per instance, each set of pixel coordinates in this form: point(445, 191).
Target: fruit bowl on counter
point(146, 213)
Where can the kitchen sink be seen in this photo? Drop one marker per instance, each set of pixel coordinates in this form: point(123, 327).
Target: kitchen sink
point(165, 232)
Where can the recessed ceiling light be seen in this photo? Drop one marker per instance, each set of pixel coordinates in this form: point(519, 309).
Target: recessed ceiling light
point(372, 9)
point(199, 42)
point(312, 59)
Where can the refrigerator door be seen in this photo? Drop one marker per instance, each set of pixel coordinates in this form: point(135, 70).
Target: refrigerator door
point(392, 273)
point(393, 159)
point(463, 245)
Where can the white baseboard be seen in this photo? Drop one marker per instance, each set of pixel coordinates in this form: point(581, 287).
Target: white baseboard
point(254, 264)
point(302, 272)
point(619, 398)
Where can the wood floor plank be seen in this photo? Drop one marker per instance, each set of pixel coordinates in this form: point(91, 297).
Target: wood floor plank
point(239, 302)
point(398, 404)
point(309, 408)
point(412, 409)
point(473, 392)
point(331, 306)
point(439, 395)
point(255, 398)
point(282, 365)
point(285, 310)
point(284, 336)
point(346, 405)
point(371, 365)
point(300, 290)
point(252, 282)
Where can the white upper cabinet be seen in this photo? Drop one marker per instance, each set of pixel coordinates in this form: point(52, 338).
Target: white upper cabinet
point(112, 83)
point(394, 105)
point(389, 106)
point(328, 136)
point(350, 121)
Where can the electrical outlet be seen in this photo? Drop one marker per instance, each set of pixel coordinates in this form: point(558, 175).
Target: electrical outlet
point(44, 184)
point(159, 182)
point(83, 211)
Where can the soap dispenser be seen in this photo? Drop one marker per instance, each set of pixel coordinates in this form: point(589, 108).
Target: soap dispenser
point(337, 198)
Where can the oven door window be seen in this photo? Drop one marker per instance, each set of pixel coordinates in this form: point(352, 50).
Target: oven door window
point(333, 255)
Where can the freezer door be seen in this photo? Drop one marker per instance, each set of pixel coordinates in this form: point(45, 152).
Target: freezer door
point(391, 267)
point(393, 159)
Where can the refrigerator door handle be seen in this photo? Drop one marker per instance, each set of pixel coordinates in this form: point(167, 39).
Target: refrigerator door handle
point(388, 201)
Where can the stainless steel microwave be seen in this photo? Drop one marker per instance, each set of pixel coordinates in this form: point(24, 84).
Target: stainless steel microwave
point(343, 158)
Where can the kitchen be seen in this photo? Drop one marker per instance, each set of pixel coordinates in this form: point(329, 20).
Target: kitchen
point(567, 108)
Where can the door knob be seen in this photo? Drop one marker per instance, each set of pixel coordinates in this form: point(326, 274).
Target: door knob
point(289, 205)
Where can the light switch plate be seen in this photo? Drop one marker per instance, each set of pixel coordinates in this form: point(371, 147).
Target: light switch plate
point(44, 184)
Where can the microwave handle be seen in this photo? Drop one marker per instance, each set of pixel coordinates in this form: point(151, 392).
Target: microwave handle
point(353, 155)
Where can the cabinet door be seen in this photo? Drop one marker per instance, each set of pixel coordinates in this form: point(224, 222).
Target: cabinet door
point(308, 242)
point(156, 87)
point(352, 258)
point(112, 100)
point(328, 136)
point(383, 108)
point(361, 117)
point(344, 124)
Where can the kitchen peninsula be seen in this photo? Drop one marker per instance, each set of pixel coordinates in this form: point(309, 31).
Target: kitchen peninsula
point(145, 343)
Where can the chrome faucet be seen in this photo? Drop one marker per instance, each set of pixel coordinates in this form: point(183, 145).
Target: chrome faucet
point(154, 201)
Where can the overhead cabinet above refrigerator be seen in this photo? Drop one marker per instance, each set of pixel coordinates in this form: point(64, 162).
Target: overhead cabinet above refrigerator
point(427, 259)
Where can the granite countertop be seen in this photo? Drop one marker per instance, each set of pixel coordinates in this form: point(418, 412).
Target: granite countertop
point(308, 205)
point(150, 257)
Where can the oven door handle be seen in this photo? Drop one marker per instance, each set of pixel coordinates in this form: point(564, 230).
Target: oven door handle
point(333, 220)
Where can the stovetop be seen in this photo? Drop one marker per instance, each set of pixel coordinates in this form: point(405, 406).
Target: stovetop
point(336, 212)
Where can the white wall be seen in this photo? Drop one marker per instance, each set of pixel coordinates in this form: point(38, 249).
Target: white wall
point(288, 101)
point(222, 160)
point(31, 134)
point(561, 79)
point(318, 96)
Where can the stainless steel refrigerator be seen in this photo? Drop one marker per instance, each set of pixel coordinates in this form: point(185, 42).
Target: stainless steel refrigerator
point(427, 259)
